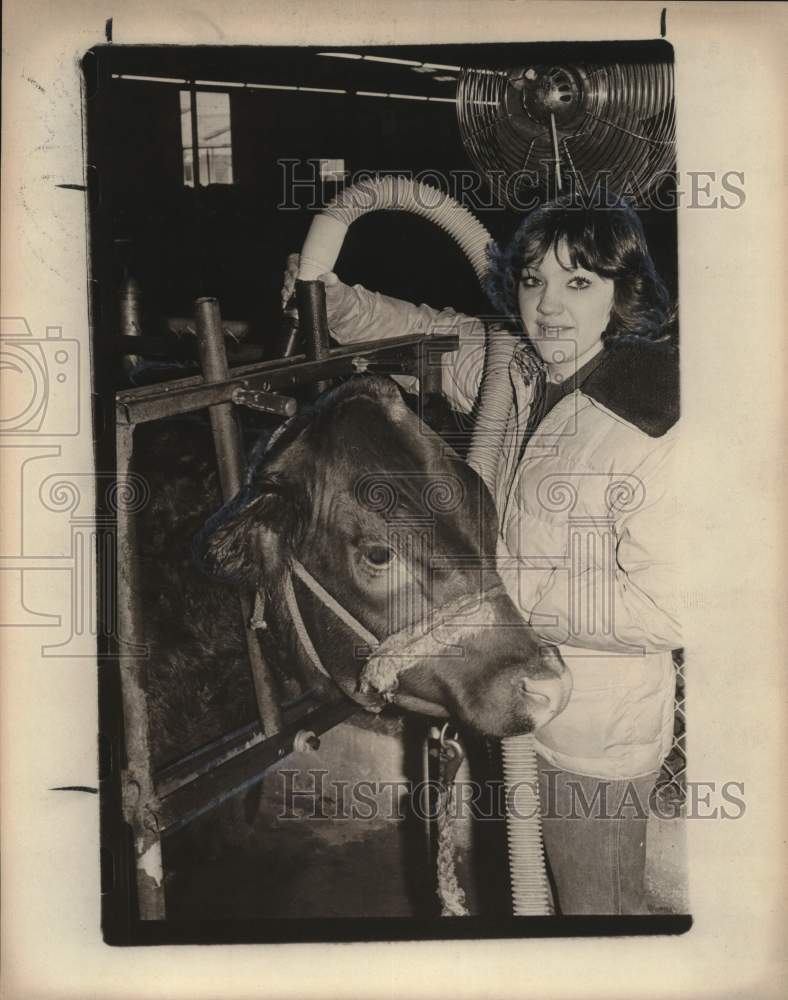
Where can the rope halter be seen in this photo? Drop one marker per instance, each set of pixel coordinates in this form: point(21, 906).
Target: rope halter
point(398, 652)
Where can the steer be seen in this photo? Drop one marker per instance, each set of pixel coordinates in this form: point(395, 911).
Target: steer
point(371, 548)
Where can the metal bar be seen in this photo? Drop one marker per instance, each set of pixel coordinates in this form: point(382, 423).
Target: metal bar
point(265, 402)
point(185, 395)
point(213, 787)
point(238, 329)
point(172, 403)
point(195, 138)
point(178, 348)
point(131, 318)
point(430, 369)
point(184, 770)
point(448, 342)
point(313, 324)
point(311, 299)
point(140, 802)
point(214, 365)
point(227, 441)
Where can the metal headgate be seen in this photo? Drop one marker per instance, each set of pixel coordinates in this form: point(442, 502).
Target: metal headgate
point(156, 803)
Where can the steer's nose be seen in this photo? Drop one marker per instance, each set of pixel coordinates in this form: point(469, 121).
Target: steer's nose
point(545, 697)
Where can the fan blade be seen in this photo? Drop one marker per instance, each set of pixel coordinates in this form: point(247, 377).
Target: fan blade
point(610, 125)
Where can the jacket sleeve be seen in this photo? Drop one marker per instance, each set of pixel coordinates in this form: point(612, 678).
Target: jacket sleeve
point(616, 604)
point(356, 314)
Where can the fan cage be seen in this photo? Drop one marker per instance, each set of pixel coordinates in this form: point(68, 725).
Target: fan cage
point(621, 141)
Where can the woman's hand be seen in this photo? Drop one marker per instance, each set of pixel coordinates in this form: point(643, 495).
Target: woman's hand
point(290, 275)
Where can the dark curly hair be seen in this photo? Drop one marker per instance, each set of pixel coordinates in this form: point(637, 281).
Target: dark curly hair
point(608, 241)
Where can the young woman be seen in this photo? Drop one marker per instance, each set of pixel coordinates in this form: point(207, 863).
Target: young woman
point(585, 511)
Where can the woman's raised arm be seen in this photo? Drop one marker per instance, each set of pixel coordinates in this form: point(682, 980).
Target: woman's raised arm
point(356, 314)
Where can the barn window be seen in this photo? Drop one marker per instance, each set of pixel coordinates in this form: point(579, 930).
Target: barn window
point(332, 170)
point(208, 118)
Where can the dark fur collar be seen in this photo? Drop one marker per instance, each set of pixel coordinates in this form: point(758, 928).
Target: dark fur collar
point(638, 381)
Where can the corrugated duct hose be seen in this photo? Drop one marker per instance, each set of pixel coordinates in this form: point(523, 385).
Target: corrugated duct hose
point(529, 887)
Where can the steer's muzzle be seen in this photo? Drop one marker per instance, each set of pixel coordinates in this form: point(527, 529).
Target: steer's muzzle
point(478, 662)
point(535, 699)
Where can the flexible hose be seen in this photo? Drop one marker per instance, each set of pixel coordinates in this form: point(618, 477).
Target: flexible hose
point(327, 232)
point(495, 407)
point(529, 887)
point(318, 256)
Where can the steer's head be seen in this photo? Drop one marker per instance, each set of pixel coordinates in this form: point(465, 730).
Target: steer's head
point(400, 532)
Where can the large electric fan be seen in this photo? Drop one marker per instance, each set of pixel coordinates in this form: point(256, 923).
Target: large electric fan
point(553, 129)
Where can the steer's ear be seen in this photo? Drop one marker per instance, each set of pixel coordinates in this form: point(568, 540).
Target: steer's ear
point(239, 543)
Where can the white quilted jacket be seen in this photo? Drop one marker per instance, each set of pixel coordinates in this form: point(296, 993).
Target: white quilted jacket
point(585, 521)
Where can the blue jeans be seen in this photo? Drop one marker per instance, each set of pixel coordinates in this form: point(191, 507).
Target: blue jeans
point(595, 840)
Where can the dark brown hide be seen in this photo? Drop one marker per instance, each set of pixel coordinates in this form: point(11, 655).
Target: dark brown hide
point(394, 526)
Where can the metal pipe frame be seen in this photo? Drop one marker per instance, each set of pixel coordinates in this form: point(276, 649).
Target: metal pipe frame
point(197, 762)
point(395, 356)
point(313, 324)
point(237, 329)
point(140, 801)
point(190, 793)
point(227, 443)
point(155, 805)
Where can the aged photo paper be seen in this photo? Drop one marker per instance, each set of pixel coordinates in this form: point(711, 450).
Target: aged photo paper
point(729, 524)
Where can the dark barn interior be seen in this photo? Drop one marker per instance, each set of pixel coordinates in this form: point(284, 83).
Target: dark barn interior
point(275, 129)
point(230, 238)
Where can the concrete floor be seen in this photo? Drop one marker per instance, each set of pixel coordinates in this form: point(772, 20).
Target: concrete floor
point(298, 856)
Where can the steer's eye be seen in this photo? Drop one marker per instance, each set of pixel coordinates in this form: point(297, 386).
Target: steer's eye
point(379, 556)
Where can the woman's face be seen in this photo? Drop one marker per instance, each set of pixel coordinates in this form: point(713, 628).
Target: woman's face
point(564, 309)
